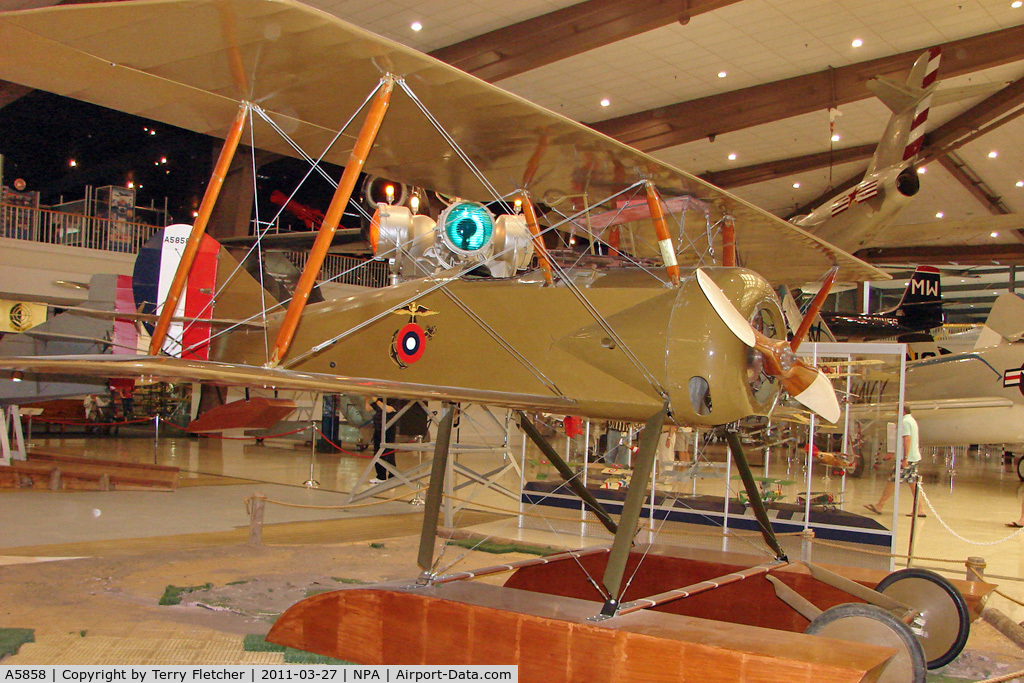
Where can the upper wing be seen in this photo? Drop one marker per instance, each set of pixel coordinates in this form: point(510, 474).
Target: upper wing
point(178, 370)
point(190, 62)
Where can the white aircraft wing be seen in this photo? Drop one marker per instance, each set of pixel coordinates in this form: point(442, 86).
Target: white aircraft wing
point(190, 63)
point(169, 369)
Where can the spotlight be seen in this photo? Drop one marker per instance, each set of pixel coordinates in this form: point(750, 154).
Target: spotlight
point(17, 376)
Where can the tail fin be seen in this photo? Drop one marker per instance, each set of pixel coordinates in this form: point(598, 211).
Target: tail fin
point(1005, 322)
point(909, 103)
point(216, 283)
point(921, 305)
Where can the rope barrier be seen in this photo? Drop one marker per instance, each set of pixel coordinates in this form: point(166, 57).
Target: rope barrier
point(1004, 677)
point(234, 438)
point(335, 507)
point(996, 591)
point(339, 448)
point(87, 423)
point(958, 536)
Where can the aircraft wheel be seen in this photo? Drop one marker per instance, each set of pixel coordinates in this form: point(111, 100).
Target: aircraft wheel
point(1020, 468)
point(946, 620)
point(863, 623)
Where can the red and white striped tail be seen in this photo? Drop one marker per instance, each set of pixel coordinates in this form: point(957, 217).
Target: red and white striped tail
point(916, 137)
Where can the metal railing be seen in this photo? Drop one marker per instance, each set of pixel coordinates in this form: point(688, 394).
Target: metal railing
point(352, 271)
point(73, 230)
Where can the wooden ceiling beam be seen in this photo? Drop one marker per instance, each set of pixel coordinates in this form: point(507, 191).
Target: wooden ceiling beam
point(770, 170)
point(979, 255)
point(541, 40)
point(973, 183)
point(707, 117)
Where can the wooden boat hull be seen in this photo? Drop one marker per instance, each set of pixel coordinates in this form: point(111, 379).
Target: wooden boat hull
point(541, 620)
point(550, 638)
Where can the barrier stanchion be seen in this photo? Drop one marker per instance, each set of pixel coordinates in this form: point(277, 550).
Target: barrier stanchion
point(257, 504)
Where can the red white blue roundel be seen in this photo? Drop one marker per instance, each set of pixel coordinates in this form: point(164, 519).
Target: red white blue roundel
point(410, 341)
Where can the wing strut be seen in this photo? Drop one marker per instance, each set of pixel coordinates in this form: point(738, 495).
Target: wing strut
point(593, 504)
point(530, 214)
point(220, 171)
point(643, 464)
point(668, 252)
point(432, 507)
point(353, 167)
point(754, 495)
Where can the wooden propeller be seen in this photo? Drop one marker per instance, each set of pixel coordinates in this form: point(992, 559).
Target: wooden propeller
point(802, 381)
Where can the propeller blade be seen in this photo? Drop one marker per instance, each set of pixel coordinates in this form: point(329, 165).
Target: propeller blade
point(814, 308)
point(812, 389)
point(732, 318)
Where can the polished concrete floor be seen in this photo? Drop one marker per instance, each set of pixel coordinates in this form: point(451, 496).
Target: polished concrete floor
point(973, 495)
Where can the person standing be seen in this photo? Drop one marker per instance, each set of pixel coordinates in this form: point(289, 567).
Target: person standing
point(381, 412)
point(908, 468)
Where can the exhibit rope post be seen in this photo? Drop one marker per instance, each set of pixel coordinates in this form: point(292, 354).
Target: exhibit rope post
point(312, 483)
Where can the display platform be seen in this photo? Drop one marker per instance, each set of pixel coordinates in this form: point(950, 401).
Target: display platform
point(829, 524)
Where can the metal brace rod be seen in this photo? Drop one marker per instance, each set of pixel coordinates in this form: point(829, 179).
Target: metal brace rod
point(432, 508)
point(754, 495)
point(567, 474)
point(643, 464)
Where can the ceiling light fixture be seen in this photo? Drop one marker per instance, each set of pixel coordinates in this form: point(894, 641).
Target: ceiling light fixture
point(722, 74)
point(606, 102)
point(993, 234)
point(1020, 183)
point(732, 156)
point(1016, 4)
point(922, 170)
point(940, 215)
point(993, 154)
point(796, 186)
point(836, 138)
point(857, 42)
point(17, 376)
point(416, 26)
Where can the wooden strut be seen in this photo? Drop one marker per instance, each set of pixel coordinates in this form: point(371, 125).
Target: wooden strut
point(332, 217)
point(188, 256)
point(592, 503)
point(728, 242)
point(700, 587)
point(668, 252)
point(530, 214)
point(754, 495)
point(435, 490)
point(643, 464)
point(499, 568)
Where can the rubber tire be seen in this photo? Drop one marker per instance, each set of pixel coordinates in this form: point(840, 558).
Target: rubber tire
point(956, 607)
point(1020, 468)
point(893, 632)
point(858, 468)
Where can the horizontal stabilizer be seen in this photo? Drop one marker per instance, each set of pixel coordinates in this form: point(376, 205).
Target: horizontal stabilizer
point(896, 96)
point(1005, 321)
point(965, 92)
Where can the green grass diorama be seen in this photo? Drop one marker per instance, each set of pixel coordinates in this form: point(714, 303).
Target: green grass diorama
point(11, 640)
point(254, 642)
point(172, 594)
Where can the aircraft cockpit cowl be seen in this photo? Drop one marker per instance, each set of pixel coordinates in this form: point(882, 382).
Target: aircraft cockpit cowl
point(713, 377)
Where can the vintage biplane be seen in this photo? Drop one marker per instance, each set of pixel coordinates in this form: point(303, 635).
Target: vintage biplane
point(696, 341)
